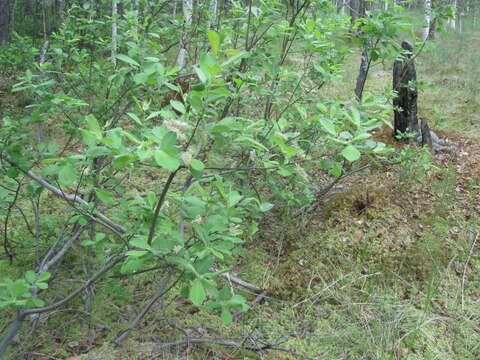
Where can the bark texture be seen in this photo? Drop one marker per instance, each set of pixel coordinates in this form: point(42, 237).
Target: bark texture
point(4, 21)
point(404, 75)
point(426, 135)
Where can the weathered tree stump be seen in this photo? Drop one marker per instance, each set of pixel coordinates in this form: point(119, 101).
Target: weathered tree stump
point(404, 76)
point(426, 134)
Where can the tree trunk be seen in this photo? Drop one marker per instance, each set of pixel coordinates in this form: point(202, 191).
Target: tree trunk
point(404, 73)
point(433, 23)
point(213, 13)
point(114, 32)
point(362, 76)
point(426, 134)
point(428, 20)
point(61, 10)
point(354, 4)
point(4, 21)
point(187, 13)
point(365, 61)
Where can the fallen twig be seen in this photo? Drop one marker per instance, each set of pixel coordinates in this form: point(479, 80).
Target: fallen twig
point(230, 343)
point(234, 279)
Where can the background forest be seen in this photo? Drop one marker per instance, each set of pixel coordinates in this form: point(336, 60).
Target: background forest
point(224, 180)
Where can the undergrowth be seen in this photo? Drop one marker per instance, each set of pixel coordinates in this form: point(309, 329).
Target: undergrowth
point(385, 268)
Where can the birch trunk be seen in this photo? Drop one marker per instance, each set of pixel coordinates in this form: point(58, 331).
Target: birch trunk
point(114, 32)
point(428, 19)
point(187, 14)
point(213, 13)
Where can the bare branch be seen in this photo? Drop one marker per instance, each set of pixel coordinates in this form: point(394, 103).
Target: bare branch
point(241, 282)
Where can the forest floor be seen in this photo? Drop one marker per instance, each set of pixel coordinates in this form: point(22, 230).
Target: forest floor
point(385, 267)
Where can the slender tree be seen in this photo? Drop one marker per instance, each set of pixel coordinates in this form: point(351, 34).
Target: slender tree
point(4, 20)
point(428, 19)
point(213, 13)
point(114, 31)
point(365, 60)
point(354, 5)
point(187, 14)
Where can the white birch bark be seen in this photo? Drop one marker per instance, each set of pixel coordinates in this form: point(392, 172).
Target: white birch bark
point(114, 32)
point(187, 14)
point(428, 19)
point(452, 22)
point(213, 13)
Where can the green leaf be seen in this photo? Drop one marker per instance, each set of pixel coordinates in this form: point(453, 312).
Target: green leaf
point(30, 276)
point(105, 196)
point(41, 285)
point(251, 141)
point(163, 244)
point(169, 141)
point(128, 60)
point(19, 289)
point(216, 253)
point(44, 276)
point(136, 253)
point(197, 167)
point(214, 40)
point(96, 151)
point(182, 263)
point(201, 75)
point(123, 160)
point(100, 236)
point(37, 302)
point(233, 198)
point(215, 274)
point(139, 242)
point(237, 300)
point(265, 206)
point(351, 153)
point(132, 264)
point(151, 199)
point(356, 116)
point(284, 172)
point(227, 317)
point(67, 174)
point(197, 293)
point(328, 126)
point(93, 125)
point(135, 118)
point(235, 58)
point(166, 161)
point(177, 105)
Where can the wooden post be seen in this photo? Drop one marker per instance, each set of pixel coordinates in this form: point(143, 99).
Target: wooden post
point(405, 103)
